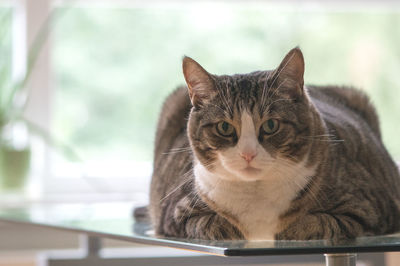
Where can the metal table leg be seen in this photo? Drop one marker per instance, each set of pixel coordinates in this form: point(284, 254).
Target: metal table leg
point(346, 259)
point(92, 245)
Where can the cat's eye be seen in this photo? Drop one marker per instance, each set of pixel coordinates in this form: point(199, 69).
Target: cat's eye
point(270, 126)
point(225, 129)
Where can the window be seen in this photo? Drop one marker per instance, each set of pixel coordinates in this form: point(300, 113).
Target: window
point(5, 46)
point(113, 63)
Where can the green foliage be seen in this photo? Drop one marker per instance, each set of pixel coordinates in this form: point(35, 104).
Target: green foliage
point(6, 89)
point(13, 91)
point(115, 66)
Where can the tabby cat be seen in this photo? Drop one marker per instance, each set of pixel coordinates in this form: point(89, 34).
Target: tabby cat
point(261, 156)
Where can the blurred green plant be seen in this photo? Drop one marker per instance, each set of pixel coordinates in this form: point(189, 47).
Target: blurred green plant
point(6, 90)
point(14, 94)
point(14, 97)
point(14, 163)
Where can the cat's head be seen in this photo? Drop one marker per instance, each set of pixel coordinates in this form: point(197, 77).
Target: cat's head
point(244, 126)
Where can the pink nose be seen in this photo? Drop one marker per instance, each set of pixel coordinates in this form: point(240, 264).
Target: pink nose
point(248, 156)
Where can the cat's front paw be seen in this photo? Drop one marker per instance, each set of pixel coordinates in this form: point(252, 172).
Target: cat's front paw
point(198, 221)
point(211, 226)
point(309, 227)
point(321, 226)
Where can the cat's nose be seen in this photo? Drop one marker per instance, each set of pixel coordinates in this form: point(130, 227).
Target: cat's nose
point(248, 156)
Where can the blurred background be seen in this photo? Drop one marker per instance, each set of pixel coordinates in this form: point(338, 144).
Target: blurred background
point(82, 82)
point(104, 68)
point(98, 72)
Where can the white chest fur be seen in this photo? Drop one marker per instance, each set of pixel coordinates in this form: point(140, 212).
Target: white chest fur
point(256, 205)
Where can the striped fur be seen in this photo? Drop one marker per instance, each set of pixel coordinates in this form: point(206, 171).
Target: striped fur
point(324, 174)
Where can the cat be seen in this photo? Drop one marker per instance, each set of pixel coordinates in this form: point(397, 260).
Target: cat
point(262, 156)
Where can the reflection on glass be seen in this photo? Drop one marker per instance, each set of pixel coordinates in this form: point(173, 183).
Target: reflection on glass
point(113, 220)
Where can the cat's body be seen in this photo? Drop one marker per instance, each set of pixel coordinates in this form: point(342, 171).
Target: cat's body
point(298, 162)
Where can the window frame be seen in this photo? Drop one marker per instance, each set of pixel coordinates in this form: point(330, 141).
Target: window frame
point(28, 18)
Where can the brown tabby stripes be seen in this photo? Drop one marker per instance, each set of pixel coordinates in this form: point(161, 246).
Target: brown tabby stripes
point(355, 190)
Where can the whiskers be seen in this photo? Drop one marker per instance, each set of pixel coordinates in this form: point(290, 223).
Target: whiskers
point(281, 70)
point(219, 107)
point(289, 170)
point(186, 179)
point(324, 138)
point(265, 88)
point(178, 150)
point(264, 103)
point(267, 107)
point(193, 199)
point(224, 98)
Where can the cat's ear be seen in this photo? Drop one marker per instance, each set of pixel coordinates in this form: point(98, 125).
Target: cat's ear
point(199, 81)
point(290, 73)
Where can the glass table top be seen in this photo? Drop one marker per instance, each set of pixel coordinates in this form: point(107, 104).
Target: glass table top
point(115, 221)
